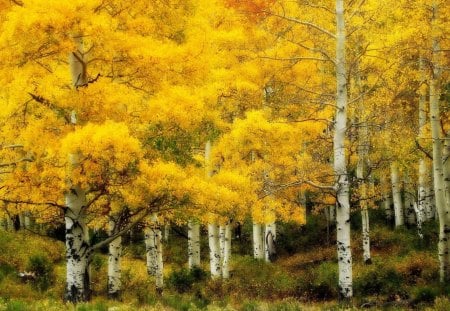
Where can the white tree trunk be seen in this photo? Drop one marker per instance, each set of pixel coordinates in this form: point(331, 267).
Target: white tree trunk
point(270, 236)
point(193, 244)
point(114, 263)
point(430, 203)
point(9, 223)
point(166, 233)
point(159, 276)
point(409, 201)
point(438, 170)
point(423, 180)
point(340, 164)
point(214, 251)
point(446, 163)
point(397, 196)
point(27, 219)
point(150, 249)
point(78, 250)
point(226, 252)
point(258, 249)
point(387, 200)
point(222, 240)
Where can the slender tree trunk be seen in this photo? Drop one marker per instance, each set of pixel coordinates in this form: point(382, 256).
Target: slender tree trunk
point(422, 189)
point(9, 223)
point(439, 184)
point(78, 252)
point(258, 249)
point(27, 221)
point(226, 252)
point(114, 263)
point(150, 248)
point(397, 196)
point(193, 244)
point(214, 250)
point(222, 240)
point(270, 236)
point(159, 275)
point(409, 201)
point(166, 233)
point(446, 163)
point(387, 199)
point(340, 164)
point(430, 199)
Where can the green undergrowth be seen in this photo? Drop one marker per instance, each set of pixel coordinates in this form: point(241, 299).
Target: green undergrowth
point(403, 274)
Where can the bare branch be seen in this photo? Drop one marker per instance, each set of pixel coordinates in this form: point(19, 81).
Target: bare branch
point(34, 203)
point(304, 23)
point(295, 59)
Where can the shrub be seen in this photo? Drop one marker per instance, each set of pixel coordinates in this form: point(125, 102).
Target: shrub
point(418, 268)
point(16, 305)
point(319, 283)
point(441, 304)
point(377, 279)
point(288, 304)
point(424, 294)
point(250, 306)
point(182, 280)
point(43, 269)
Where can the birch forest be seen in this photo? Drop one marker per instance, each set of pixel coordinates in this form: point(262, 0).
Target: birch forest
point(224, 155)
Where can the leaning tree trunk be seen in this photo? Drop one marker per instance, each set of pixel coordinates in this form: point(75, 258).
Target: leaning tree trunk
point(78, 251)
point(397, 196)
point(114, 263)
point(226, 251)
point(340, 164)
point(193, 244)
point(258, 248)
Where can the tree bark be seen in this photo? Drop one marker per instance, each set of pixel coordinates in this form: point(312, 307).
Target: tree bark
point(270, 236)
point(226, 252)
point(193, 244)
point(258, 249)
point(397, 196)
point(214, 251)
point(340, 164)
point(159, 275)
point(114, 263)
point(150, 248)
point(78, 251)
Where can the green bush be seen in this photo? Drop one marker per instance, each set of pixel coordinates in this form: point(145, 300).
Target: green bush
point(288, 304)
point(182, 280)
point(441, 304)
point(16, 305)
point(250, 306)
point(320, 283)
point(377, 279)
point(41, 266)
point(425, 294)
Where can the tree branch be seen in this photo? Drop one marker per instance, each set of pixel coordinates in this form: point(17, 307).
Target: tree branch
point(305, 23)
point(421, 148)
point(34, 203)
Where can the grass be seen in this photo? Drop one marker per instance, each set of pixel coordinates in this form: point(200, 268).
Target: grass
point(404, 269)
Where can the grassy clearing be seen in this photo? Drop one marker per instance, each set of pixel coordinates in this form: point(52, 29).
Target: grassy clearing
point(403, 275)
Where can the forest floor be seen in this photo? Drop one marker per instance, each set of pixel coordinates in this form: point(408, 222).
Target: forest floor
point(403, 274)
